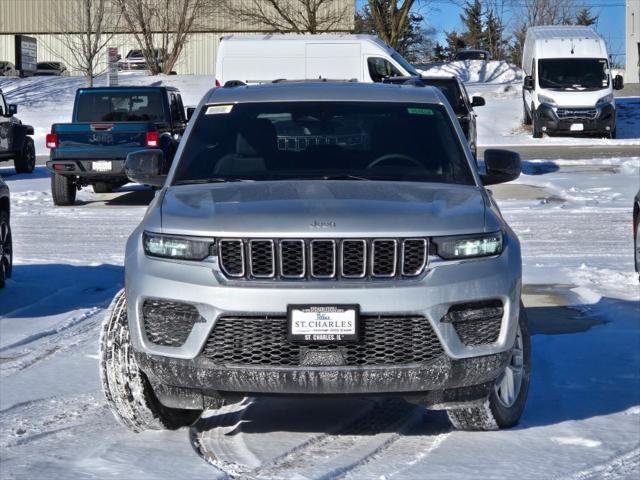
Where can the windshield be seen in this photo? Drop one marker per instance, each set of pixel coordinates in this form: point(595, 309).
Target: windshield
point(323, 140)
point(573, 73)
point(403, 63)
point(472, 55)
point(449, 89)
point(103, 106)
point(134, 54)
point(48, 65)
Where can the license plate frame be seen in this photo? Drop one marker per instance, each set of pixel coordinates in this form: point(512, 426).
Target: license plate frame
point(102, 166)
point(324, 333)
point(576, 127)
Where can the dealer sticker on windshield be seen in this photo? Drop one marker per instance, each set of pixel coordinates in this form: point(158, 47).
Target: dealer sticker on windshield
point(323, 323)
point(218, 109)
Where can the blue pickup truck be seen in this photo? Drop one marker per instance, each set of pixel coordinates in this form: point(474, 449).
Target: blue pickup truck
point(108, 123)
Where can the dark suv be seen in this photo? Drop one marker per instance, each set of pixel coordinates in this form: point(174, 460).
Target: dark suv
point(15, 141)
point(455, 92)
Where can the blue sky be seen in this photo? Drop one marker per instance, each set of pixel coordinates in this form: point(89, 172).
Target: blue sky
point(444, 15)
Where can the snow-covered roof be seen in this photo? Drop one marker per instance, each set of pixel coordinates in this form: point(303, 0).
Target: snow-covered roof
point(549, 32)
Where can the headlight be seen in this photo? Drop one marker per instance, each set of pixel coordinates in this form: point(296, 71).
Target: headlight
point(604, 100)
point(179, 248)
point(547, 100)
point(469, 246)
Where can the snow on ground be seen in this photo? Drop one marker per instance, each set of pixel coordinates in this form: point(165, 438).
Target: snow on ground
point(476, 71)
point(582, 419)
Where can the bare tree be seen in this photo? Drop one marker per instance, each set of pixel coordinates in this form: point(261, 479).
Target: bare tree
point(296, 16)
point(87, 33)
point(162, 27)
point(547, 12)
point(391, 19)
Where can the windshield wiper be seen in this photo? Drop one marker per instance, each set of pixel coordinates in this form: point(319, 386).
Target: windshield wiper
point(213, 180)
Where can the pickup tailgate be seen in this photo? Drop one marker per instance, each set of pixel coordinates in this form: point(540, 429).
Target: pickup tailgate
point(99, 141)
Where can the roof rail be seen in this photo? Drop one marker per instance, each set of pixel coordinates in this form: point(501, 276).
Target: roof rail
point(314, 80)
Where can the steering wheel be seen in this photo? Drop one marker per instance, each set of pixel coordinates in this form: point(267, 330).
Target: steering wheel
point(391, 156)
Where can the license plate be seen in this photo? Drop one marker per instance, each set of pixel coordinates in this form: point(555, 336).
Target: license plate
point(576, 127)
point(323, 323)
point(101, 166)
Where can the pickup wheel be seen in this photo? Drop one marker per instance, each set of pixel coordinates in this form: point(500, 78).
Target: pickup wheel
point(126, 387)
point(102, 187)
point(25, 162)
point(505, 404)
point(63, 190)
point(5, 248)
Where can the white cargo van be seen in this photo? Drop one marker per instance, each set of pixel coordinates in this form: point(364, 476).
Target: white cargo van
point(568, 85)
point(264, 58)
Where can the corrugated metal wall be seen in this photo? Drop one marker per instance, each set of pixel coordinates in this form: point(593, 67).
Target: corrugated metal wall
point(41, 19)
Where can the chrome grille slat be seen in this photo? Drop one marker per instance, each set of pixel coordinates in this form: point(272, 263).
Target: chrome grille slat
point(576, 113)
point(322, 259)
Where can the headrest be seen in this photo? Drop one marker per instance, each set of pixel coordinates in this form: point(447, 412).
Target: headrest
point(257, 138)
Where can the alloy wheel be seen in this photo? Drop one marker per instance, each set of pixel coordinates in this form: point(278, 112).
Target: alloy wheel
point(509, 383)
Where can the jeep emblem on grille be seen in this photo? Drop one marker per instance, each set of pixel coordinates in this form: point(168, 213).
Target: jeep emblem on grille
point(317, 224)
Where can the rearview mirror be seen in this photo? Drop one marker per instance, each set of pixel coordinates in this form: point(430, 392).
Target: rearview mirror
point(13, 109)
point(618, 82)
point(501, 166)
point(146, 167)
point(190, 112)
point(477, 101)
point(528, 83)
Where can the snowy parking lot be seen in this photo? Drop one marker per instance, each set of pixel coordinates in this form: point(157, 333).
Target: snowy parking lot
point(582, 420)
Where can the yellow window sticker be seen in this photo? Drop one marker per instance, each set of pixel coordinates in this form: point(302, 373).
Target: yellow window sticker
point(218, 109)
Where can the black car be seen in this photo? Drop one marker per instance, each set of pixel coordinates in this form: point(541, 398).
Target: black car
point(472, 54)
point(15, 141)
point(58, 69)
point(455, 92)
point(6, 257)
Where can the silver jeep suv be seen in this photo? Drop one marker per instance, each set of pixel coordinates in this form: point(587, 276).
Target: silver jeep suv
point(320, 238)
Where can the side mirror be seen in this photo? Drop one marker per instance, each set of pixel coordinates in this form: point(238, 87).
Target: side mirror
point(146, 167)
point(190, 112)
point(501, 166)
point(618, 82)
point(13, 109)
point(528, 83)
point(477, 101)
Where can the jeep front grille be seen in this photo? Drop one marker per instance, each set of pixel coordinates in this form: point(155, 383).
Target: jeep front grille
point(576, 113)
point(263, 341)
point(322, 259)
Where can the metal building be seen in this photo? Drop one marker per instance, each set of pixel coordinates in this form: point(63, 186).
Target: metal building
point(47, 21)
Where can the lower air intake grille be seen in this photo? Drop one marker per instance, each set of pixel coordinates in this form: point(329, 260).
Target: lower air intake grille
point(263, 341)
point(169, 323)
point(476, 323)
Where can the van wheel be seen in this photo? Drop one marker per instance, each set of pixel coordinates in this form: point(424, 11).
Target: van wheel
point(63, 190)
point(6, 258)
point(102, 187)
point(505, 404)
point(537, 128)
point(26, 161)
point(126, 388)
point(613, 133)
point(526, 117)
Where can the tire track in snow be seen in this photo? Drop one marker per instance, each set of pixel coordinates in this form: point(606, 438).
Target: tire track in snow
point(626, 465)
point(368, 433)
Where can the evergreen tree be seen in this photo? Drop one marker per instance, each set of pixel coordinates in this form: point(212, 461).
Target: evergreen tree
point(493, 35)
point(440, 53)
point(473, 22)
point(455, 42)
point(585, 17)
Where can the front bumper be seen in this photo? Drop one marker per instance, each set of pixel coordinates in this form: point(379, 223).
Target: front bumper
point(603, 121)
point(430, 296)
point(84, 169)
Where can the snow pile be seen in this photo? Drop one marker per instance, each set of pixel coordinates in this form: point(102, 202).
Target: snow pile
point(476, 71)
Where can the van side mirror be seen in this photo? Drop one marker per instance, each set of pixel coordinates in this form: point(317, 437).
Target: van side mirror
point(501, 166)
point(528, 83)
point(618, 82)
point(13, 109)
point(190, 112)
point(477, 101)
point(146, 167)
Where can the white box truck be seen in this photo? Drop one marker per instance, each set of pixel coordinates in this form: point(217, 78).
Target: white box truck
point(265, 58)
point(568, 85)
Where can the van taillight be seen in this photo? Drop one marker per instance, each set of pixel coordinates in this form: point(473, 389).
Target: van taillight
point(153, 140)
point(51, 140)
point(218, 83)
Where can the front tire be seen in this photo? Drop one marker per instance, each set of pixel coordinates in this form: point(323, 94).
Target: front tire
point(537, 128)
point(126, 387)
point(26, 161)
point(526, 117)
point(505, 404)
point(6, 248)
point(63, 190)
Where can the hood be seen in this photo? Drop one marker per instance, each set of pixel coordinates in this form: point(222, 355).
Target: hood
point(323, 209)
point(576, 98)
